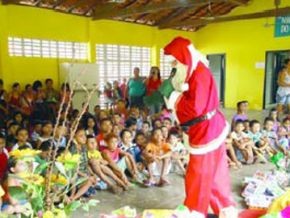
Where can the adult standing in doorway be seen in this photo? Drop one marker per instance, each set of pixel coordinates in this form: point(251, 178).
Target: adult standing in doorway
point(136, 89)
point(283, 92)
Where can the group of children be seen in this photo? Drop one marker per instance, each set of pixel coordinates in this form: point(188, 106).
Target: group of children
point(123, 145)
point(250, 141)
point(117, 148)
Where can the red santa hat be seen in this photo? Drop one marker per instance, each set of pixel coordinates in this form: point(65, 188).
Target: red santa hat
point(183, 50)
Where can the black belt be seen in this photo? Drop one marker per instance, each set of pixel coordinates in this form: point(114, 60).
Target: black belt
point(185, 126)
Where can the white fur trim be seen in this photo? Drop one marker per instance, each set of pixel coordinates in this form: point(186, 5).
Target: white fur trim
point(212, 145)
point(185, 87)
point(5, 151)
point(229, 212)
point(179, 79)
point(196, 214)
point(170, 103)
point(196, 57)
point(173, 99)
point(170, 58)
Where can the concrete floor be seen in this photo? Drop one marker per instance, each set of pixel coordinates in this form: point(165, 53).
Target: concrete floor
point(171, 196)
point(168, 197)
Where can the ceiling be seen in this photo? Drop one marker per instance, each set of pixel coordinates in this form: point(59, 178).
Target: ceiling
point(188, 15)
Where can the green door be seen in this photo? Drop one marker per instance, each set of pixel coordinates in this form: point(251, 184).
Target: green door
point(217, 66)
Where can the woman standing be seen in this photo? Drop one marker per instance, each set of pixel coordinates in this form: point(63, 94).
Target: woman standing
point(27, 100)
point(152, 84)
point(283, 92)
point(3, 104)
point(14, 97)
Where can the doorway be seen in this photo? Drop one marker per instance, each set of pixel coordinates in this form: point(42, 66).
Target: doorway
point(274, 64)
point(217, 64)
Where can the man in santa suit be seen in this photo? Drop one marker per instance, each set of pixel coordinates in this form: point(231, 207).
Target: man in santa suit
point(195, 103)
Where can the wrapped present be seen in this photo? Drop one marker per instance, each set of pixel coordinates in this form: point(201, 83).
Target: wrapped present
point(180, 212)
point(271, 216)
point(286, 212)
point(110, 216)
point(259, 201)
point(281, 177)
point(259, 175)
point(126, 212)
point(280, 203)
point(277, 159)
point(252, 213)
point(157, 213)
point(264, 187)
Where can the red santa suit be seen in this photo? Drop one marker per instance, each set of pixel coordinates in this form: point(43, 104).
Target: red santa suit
point(207, 180)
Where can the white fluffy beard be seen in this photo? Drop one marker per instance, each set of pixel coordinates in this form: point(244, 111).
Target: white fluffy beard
point(180, 76)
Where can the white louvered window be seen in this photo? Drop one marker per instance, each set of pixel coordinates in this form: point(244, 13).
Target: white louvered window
point(15, 46)
point(117, 62)
point(165, 65)
point(24, 47)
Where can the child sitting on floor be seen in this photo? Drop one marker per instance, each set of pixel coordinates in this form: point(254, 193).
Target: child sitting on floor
point(180, 155)
point(246, 126)
point(100, 168)
point(11, 205)
point(79, 147)
point(270, 135)
point(22, 139)
point(36, 133)
point(241, 114)
point(157, 155)
point(167, 122)
point(231, 155)
point(146, 129)
point(274, 115)
point(119, 160)
point(11, 135)
point(3, 157)
point(283, 135)
point(1, 195)
point(260, 143)
point(242, 143)
point(165, 133)
point(59, 139)
point(106, 128)
point(46, 132)
point(128, 145)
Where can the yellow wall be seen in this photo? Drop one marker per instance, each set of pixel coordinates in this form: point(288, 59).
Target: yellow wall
point(33, 23)
point(245, 43)
point(45, 24)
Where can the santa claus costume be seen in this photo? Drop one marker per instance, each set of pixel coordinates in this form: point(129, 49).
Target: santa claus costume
point(196, 108)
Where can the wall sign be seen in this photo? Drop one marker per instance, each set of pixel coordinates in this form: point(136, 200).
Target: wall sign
point(282, 26)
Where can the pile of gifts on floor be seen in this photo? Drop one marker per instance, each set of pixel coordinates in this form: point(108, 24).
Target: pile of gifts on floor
point(270, 190)
point(264, 187)
point(127, 212)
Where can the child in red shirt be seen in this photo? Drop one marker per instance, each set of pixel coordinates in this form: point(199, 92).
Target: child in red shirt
point(3, 157)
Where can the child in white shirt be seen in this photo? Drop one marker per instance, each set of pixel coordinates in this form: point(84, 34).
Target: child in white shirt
point(179, 153)
point(242, 142)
